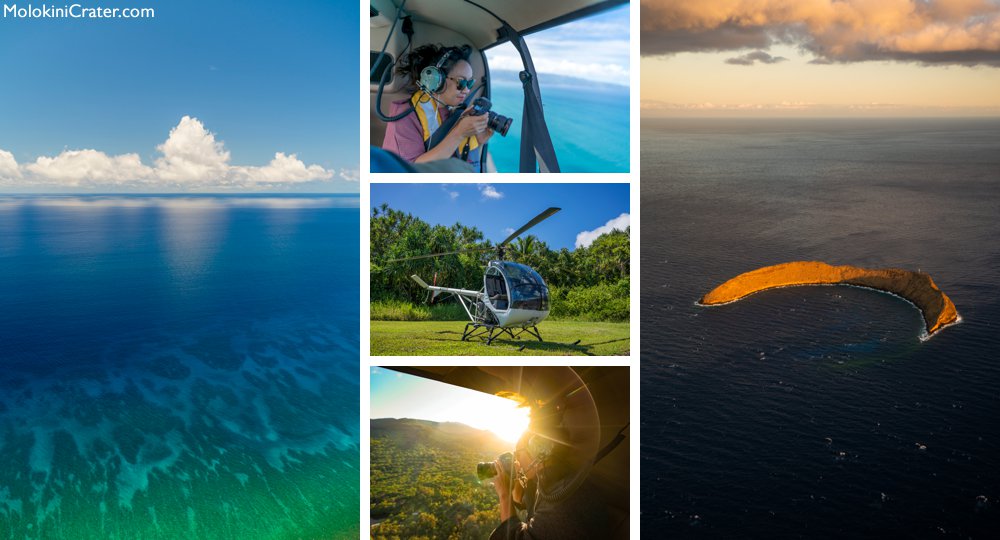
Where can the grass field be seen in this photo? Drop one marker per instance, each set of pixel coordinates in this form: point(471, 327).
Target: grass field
point(444, 338)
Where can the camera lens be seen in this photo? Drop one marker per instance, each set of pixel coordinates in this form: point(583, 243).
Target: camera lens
point(499, 123)
point(485, 470)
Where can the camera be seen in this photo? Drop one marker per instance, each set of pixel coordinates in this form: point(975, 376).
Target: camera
point(497, 122)
point(486, 470)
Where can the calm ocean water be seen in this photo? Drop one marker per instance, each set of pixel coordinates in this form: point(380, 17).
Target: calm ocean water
point(178, 367)
point(589, 128)
point(816, 411)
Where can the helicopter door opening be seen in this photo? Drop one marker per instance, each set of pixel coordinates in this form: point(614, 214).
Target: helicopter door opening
point(496, 289)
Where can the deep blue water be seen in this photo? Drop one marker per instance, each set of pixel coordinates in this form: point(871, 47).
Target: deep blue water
point(817, 411)
point(178, 366)
point(589, 127)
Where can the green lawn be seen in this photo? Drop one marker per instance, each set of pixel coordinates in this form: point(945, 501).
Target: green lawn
point(396, 338)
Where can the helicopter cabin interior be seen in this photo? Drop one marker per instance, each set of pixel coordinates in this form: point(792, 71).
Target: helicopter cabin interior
point(382, 15)
point(496, 289)
point(609, 388)
point(399, 26)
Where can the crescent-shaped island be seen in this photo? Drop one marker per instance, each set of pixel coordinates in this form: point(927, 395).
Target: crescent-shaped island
point(916, 287)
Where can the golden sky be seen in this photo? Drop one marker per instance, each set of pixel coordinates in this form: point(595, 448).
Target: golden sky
point(820, 57)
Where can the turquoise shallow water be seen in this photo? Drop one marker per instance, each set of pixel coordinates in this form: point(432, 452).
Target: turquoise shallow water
point(178, 367)
point(589, 126)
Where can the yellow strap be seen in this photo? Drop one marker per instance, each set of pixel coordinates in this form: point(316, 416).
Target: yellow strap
point(418, 99)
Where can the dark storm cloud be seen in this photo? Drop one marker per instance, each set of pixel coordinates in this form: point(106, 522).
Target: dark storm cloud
point(750, 59)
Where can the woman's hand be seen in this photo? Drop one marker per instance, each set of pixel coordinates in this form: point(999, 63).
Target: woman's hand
point(484, 136)
point(470, 125)
point(466, 126)
point(502, 486)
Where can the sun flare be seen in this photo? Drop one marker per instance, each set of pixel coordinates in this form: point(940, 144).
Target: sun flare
point(504, 418)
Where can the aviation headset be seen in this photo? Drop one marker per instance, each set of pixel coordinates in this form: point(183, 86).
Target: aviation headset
point(432, 78)
point(539, 449)
point(541, 446)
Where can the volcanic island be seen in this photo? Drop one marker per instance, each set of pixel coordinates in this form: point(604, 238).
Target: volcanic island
point(916, 287)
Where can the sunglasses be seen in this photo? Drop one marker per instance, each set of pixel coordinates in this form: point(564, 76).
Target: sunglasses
point(467, 83)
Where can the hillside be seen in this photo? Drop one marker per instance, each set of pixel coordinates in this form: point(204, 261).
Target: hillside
point(423, 480)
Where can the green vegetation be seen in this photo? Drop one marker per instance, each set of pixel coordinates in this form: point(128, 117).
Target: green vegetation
point(423, 480)
point(390, 338)
point(399, 310)
point(604, 302)
point(590, 283)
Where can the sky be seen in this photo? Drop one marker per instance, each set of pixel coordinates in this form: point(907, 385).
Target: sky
point(595, 49)
point(588, 210)
point(228, 95)
point(397, 395)
point(820, 57)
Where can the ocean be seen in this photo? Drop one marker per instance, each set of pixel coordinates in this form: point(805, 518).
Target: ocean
point(589, 126)
point(179, 366)
point(817, 412)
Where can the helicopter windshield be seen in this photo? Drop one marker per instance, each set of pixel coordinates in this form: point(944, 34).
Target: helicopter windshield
point(527, 289)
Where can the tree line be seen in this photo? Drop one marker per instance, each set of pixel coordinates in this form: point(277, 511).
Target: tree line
point(576, 278)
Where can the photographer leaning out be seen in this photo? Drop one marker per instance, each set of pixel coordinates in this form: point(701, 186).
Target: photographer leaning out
point(547, 481)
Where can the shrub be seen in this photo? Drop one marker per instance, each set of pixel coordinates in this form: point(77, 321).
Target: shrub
point(604, 302)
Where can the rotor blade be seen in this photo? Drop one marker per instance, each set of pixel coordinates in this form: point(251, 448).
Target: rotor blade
point(538, 219)
point(471, 250)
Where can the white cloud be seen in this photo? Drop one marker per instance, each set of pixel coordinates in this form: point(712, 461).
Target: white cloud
point(191, 158)
point(452, 195)
point(191, 154)
point(490, 192)
point(607, 62)
point(88, 167)
point(8, 166)
point(350, 175)
point(281, 169)
point(586, 238)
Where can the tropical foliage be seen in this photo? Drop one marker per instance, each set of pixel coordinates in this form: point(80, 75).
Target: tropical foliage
point(423, 480)
point(589, 283)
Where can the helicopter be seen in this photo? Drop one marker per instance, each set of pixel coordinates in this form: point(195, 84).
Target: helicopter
point(514, 297)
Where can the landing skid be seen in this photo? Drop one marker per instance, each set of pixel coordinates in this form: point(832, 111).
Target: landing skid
point(488, 333)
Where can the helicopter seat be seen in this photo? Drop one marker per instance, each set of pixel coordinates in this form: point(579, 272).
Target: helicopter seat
point(496, 289)
point(499, 301)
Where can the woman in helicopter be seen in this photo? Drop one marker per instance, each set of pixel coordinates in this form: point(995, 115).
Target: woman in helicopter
point(549, 481)
point(442, 79)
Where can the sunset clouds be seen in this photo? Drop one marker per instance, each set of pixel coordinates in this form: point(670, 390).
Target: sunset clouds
point(934, 31)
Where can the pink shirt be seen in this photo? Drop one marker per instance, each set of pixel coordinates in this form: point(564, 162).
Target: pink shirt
point(405, 137)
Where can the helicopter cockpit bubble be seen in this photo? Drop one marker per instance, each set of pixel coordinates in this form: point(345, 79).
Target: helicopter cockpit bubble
point(527, 289)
